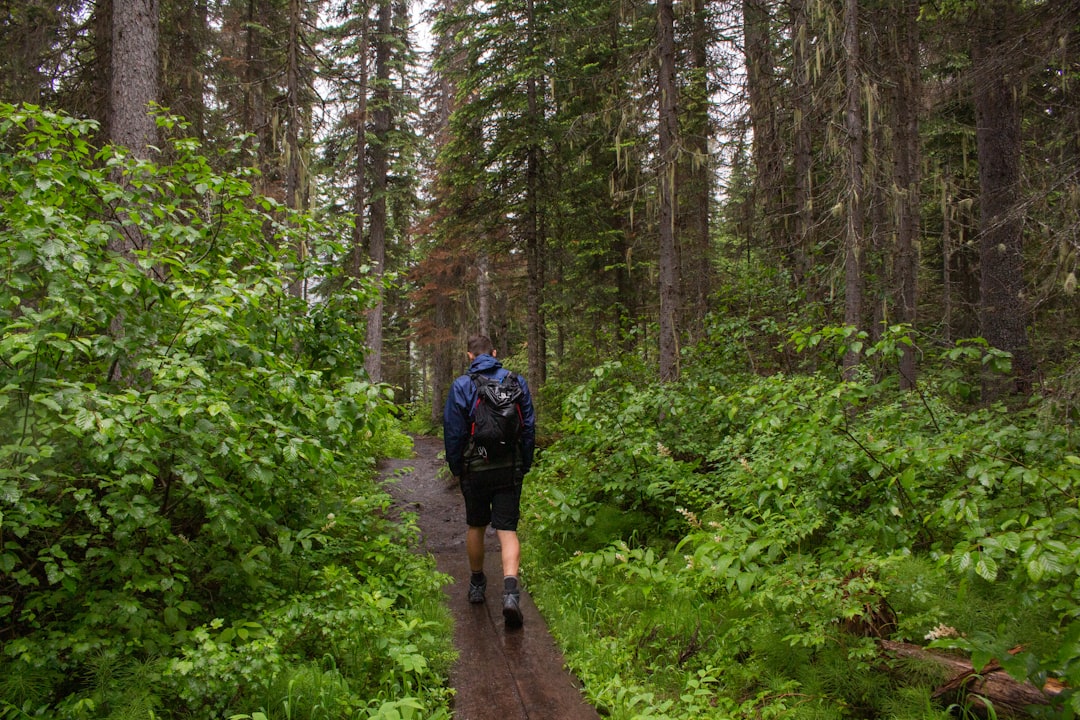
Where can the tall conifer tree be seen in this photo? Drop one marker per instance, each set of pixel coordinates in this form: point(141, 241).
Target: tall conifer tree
point(667, 148)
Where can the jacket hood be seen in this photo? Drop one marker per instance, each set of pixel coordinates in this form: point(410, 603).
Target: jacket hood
point(483, 363)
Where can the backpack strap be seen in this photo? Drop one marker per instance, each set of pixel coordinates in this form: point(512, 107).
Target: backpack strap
point(494, 376)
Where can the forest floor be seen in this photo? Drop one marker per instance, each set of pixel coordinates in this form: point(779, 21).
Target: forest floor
point(501, 673)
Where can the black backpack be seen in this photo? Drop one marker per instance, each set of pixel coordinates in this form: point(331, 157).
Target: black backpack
point(496, 417)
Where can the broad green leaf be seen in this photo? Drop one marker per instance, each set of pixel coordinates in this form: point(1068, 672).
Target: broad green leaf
point(986, 567)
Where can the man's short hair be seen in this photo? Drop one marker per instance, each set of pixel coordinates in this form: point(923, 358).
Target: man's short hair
point(480, 345)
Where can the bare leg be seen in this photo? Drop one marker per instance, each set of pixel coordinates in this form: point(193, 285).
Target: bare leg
point(511, 557)
point(511, 552)
point(474, 548)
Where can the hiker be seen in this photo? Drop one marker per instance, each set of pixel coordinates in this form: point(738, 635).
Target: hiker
point(490, 479)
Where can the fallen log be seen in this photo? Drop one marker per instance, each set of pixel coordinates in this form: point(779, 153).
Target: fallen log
point(968, 686)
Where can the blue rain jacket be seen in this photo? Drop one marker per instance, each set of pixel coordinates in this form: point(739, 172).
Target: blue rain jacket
point(457, 415)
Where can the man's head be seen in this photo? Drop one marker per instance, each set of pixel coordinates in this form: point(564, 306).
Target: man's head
point(480, 345)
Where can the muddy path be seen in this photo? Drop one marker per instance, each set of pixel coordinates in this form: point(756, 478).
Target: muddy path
point(501, 673)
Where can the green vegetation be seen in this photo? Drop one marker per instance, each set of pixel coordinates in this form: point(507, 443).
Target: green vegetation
point(735, 544)
point(190, 525)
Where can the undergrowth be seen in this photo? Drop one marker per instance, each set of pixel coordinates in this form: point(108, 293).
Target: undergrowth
point(190, 525)
point(736, 545)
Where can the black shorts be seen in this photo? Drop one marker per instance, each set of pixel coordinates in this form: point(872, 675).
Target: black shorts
point(492, 497)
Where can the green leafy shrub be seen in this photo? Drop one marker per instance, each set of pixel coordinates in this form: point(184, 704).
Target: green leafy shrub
point(765, 530)
point(180, 433)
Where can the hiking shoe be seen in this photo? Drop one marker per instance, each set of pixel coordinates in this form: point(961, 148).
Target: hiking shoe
point(477, 588)
point(512, 608)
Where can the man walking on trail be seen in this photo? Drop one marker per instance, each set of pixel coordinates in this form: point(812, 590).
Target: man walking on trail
point(490, 476)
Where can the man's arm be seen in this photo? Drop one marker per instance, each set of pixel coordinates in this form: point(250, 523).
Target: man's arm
point(528, 429)
point(455, 428)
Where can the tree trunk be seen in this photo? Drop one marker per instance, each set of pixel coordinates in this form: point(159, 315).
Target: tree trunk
point(668, 147)
point(257, 90)
point(483, 293)
point(379, 176)
point(627, 291)
point(533, 257)
point(540, 379)
point(292, 108)
point(695, 178)
point(359, 195)
point(442, 360)
point(26, 33)
point(908, 101)
point(853, 240)
point(134, 75)
point(947, 260)
point(98, 102)
point(803, 159)
point(766, 196)
point(1009, 697)
point(1003, 311)
point(133, 86)
point(880, 244)
point(297, 285)
point(446, 278)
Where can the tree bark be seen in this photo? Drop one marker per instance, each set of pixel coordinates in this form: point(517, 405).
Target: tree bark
point(379, 176)
point(1009, 697)
point(133, 86)
point(483, 293)
point(668, 146)
point(359, 194)
point(766, 198)
point(257, 90)
point(533, 242)
point(134, 75)
point(802, 164)
point(908, 101)
point(627, 291)
point(26, 34)
point(695, 177)
point(97, 104)
point(445, 279)
point(1003, 311)
point(297, 285)
point(853, 240)
point(946, 265)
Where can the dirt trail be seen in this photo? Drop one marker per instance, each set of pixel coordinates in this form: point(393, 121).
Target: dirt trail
point(501, 674)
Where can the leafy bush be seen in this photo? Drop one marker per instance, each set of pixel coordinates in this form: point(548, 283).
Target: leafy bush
point(763, 531)
point(180, 436)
